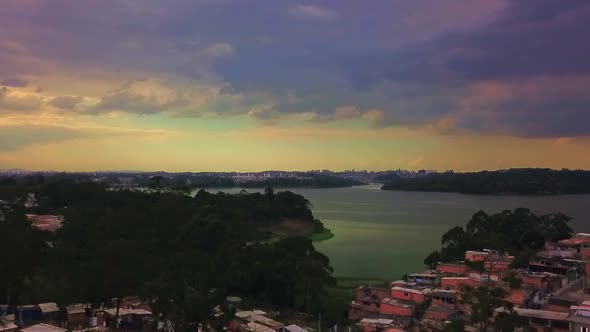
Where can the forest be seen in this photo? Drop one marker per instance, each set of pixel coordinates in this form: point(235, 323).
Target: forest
point(513, 181)
point(182, 254)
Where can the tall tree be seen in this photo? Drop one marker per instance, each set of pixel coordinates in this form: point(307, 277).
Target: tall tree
point(22, 250)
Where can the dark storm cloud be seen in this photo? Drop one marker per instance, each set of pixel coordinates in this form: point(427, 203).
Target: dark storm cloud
point(14, 82)
point(490, 66)
point(538, 44)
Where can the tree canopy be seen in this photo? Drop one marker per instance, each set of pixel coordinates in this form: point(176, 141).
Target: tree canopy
point(518, 232)
point(514, 181)
point(181, 253)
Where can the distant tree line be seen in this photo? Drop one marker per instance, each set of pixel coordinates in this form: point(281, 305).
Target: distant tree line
point(513, 181)
point(184, 181)
point(183, 254)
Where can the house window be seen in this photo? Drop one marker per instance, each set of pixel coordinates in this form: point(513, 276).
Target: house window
point(583, 329)
point(406, 294)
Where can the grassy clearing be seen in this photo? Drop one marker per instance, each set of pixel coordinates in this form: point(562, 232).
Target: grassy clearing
point(336, 298)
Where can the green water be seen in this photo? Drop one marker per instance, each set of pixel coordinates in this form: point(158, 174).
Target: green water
point(385, 234)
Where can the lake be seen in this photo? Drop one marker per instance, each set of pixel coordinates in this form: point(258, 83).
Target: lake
point(385, 234)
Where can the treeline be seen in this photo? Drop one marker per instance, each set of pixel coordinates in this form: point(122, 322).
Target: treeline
point(183, 254)
point(513, 181)
point(520, 233)
point(184, 181)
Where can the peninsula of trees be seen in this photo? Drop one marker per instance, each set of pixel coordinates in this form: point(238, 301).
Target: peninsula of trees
point(513, 181)
point(181, 253)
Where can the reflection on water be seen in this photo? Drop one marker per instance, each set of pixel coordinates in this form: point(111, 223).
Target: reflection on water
point(386, 234)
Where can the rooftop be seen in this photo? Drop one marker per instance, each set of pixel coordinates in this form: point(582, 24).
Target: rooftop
point(7, 326)
point(397, 303)
point(77, 308)
point(568, 295)
point(580, 314)
point(411, 290)
point(294, 328)
point(125, 312)
point(447, 293)
point(441, 308)
point(43, 328)
point(255, 327)
point(48, 307)
point(426, 274)
point(266, 321)
point(542, 314)
point(244, 314)
point(573, 241)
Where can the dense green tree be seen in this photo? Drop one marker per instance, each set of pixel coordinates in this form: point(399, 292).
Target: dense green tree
point(518, 232)
point(516, 181)
point(483, 302)
point(181, 253)
point(455, 325)
point(510, 321)
point(22, 250)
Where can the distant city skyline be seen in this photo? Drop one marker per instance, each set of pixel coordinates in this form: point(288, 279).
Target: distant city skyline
point(187, 85)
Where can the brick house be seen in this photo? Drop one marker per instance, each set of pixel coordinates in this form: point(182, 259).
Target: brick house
point(409, 294)
point(458, 269)
point(396, 307)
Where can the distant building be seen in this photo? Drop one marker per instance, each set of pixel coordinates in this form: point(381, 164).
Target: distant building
point(580, 318)
point(409, 294)
point(46, 222)
point(383, 324)
point(544, 320)
point(396, 307)
point(427, 277)
point(459, 269)
point(256, 321)
point(367, 302)
point(49, 312)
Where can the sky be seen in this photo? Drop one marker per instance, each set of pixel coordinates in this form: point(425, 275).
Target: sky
point(234, 85)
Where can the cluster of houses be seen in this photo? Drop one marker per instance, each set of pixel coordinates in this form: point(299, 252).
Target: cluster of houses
point(258, 321)
point(133, 315)
point(49, 317)
point(554, 293)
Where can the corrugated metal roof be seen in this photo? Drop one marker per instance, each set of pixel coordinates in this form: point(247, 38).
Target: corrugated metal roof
point(124, 312)
point(410, 290)
point(255, 327)
point(396, 303)
point(77, 308)
point(295, 328)
point(48, 307)
point(8, 326)
point(267, 321)
point(43, 328)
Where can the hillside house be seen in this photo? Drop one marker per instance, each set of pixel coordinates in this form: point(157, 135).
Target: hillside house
point(458, 269)
point(409, 294)
point(383, 324)
point(396, 308)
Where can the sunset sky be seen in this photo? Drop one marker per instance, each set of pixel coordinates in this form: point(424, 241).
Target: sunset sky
point(219, 85)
